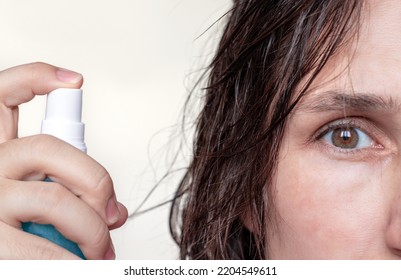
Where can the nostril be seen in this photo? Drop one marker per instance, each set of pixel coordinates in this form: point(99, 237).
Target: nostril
point(393, 234)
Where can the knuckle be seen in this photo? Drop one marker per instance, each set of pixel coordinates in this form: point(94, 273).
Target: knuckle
point(100, 236)
point(41, 138)
point(46, 251)
point(41, 143)
point(50, 195)
point(103, 180)
point(36, 65)
point(34, 69)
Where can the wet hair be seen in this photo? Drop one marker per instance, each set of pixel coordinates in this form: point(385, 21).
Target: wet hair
point(269, 54)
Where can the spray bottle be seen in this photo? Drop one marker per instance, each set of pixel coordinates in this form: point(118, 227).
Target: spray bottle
point(62, 120)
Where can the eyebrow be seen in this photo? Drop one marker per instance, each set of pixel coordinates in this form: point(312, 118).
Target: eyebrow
point(340, 101)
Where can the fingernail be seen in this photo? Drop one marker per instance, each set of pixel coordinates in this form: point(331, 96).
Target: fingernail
point(68, 76)
point(110, 254)
point(112, 211)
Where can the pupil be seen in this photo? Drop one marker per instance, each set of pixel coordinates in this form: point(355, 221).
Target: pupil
point(345, 135)
point(345, 138)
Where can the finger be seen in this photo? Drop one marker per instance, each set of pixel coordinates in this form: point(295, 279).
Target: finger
point(51, 203)
point(21, 83)
point(41, 156)
point(18, 245)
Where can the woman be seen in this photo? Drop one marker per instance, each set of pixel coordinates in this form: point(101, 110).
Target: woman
point(296, 148)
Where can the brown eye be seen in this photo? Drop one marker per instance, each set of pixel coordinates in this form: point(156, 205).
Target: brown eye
point(345, 138)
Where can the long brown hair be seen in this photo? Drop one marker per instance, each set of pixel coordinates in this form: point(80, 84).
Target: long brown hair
point(268, 47)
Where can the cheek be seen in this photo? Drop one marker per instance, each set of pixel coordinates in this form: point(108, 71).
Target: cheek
point(322, 205)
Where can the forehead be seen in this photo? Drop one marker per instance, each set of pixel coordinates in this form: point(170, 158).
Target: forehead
point(372, 63)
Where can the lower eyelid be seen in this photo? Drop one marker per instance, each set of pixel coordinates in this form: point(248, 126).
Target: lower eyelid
point(353, 154)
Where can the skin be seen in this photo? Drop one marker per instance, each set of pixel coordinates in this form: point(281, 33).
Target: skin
point(80, 202)
point(339, 203)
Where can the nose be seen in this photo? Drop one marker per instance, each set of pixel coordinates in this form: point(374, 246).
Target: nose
point(393, 236)
point(393, 226)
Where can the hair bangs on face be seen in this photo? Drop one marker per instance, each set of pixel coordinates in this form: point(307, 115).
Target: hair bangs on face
point(267, 49)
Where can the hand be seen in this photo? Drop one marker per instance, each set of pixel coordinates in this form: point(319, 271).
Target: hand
point(80, 202)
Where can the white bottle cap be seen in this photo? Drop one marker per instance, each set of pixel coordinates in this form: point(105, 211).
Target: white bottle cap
point(63, 117)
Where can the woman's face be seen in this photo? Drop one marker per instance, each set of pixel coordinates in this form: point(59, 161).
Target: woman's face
point(338, 184)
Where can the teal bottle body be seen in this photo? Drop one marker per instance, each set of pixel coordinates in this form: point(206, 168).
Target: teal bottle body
point(50, 233)
point(62, 120)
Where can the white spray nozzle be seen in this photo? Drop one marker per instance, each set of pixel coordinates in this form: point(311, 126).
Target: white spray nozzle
point(63, 117)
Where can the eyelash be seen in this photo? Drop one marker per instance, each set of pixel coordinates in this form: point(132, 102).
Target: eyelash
point(356, 123)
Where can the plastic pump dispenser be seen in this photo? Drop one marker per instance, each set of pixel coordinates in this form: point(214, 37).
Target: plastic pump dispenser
point(62, 120)
point(63, 117)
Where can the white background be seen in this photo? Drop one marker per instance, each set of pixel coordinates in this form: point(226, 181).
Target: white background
point(139, 59)
point(284, 269)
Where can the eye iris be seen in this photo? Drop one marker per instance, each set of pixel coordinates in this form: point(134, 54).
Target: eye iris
point(345, 138)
